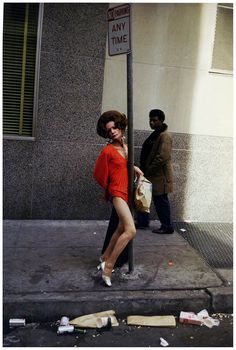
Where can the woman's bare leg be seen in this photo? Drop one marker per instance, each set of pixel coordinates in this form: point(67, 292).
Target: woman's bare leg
point(113, 241)
point(127, 223)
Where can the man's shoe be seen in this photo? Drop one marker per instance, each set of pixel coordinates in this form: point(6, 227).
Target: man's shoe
point(162, 231)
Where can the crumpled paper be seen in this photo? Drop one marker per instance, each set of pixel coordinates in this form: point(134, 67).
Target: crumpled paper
point(201, 318)
point(207, 320)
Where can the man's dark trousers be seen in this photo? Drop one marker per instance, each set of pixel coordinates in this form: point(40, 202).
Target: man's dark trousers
point(162, 206)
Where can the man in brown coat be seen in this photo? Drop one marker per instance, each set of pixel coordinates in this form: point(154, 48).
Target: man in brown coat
point(155, 162)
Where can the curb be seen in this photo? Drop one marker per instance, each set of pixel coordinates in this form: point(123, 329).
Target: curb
point(51, 306)
point(221, 299)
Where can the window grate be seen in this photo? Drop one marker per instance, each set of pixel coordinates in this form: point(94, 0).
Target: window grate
point(20, 30)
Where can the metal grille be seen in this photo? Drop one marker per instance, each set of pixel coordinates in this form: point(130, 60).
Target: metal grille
point(214, 241)
point(19, 57)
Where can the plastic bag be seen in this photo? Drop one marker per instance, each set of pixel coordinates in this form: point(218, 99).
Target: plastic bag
point(143, 194)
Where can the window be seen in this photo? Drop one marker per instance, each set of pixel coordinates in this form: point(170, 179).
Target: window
point(222, 60)
point(21, 38)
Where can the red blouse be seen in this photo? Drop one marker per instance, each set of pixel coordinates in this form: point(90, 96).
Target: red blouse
point(111, 173)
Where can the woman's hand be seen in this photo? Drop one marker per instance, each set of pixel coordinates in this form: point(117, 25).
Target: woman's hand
point(137, 171)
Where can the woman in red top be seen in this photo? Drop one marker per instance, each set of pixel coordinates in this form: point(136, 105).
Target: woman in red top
point(112, 174)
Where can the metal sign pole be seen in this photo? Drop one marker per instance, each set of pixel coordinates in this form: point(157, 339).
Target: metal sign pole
point(130, 145)
point(119, 42)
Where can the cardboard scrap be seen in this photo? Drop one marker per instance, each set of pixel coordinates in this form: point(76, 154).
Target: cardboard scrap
point(153, 321)
point(93, 320)
point(190, 318)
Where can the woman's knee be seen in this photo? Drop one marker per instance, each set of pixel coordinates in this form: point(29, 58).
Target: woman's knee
point(120, 229)
point(131, 232)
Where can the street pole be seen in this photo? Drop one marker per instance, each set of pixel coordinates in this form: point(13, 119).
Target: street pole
point(130, 146)
point(119, 42)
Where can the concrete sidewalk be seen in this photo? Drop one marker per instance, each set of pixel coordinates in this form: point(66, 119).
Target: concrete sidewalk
point(50, 271)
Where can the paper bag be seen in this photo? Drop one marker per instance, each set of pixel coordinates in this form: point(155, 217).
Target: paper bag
point(93, 320)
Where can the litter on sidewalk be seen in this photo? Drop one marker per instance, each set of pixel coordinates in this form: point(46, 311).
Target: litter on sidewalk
point(64, 321)
point(153, 321)
point(202, 318)
point(189, 317)
point(69, 329)
point(97, 320)
point(65, 329)
point(163, 342)
point(17, 322)
point(207, 320)
point(104, 322)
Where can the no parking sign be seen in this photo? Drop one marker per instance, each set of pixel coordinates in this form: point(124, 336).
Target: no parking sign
point(119, 36)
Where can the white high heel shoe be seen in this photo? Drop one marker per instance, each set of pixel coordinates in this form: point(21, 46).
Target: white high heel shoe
point(99, 265)
point(106, 279)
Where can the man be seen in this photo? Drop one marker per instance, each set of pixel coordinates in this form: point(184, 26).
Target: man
point(155, 162)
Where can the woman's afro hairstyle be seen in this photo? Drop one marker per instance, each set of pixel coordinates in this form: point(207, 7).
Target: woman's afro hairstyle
point(118, 118)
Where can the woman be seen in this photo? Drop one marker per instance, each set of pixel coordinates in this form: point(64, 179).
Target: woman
point(112, 174)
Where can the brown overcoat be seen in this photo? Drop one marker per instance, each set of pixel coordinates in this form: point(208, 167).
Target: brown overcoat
point(158, 167)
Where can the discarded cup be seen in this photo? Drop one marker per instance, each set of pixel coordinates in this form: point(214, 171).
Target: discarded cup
point(65, 329)
point(64, 321)
point(17, 322)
